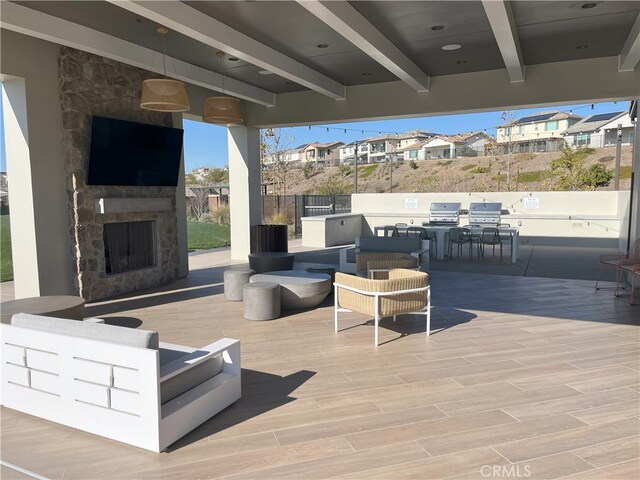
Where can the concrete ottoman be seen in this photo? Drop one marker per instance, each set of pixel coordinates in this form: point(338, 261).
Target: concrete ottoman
point(299, 288)
point(261, 301)
point(270, 261)
point(234, 279)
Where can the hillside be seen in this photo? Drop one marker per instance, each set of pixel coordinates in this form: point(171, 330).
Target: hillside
point(457, 175)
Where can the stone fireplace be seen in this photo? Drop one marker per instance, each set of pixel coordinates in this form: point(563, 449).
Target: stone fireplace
point(91, 85)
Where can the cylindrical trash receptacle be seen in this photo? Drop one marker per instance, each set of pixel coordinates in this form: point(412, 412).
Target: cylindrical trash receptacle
point(269, 238)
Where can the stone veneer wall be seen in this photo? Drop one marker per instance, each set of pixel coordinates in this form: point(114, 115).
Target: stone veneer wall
point(92, 85)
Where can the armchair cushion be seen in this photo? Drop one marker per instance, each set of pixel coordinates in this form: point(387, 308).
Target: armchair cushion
point(384, 260)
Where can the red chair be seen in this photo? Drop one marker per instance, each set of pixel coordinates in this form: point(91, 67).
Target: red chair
point(631, 257)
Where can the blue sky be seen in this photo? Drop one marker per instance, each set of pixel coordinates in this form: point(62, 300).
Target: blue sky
point(205, 145)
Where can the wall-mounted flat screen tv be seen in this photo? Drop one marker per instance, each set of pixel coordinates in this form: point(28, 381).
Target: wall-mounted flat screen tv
point(131, 153)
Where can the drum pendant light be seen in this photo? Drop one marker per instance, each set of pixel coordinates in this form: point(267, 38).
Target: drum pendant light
point(222, 110)
point(164, 94)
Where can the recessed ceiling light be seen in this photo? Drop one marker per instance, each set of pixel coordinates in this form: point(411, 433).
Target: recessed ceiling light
point(588, 5)
point(233, 59)
point(461, 62)
point(323, 45)
point(289, 82)
point(581, 47)
point(451, 46)
point(435, 28)
point(366, 74)
point(265, 72)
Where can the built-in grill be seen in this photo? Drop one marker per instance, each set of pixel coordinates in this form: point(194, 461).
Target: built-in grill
point(444, 213)
point(487, 214)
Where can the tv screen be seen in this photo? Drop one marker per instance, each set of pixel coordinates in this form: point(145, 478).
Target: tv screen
point(130, 153)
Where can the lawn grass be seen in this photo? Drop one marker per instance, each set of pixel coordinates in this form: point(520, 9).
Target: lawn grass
point(6, 262)
point(625, 172)
point(367, 170)
point(534, 176)
point(202, 235)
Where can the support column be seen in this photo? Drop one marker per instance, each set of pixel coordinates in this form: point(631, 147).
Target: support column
point(181, 211)
point(635, 214)
point(38, 204)
point(244, 185)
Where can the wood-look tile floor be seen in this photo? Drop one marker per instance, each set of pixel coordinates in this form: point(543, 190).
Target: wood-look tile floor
point(521, 378)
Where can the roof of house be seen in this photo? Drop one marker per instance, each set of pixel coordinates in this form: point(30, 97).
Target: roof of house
point(540, 117)
point(594, 122)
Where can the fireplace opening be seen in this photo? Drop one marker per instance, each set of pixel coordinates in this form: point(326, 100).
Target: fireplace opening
point(129, 246)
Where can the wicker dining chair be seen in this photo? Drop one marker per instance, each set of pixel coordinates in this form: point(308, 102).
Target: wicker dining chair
point(405, 291)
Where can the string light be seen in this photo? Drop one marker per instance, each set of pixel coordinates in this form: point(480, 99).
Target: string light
point(379, 132)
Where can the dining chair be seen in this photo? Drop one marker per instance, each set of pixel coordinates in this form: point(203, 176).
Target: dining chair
point(490, 236)
point(391, 231)
point(460, 236)
point(401, 228)
point(424, 234)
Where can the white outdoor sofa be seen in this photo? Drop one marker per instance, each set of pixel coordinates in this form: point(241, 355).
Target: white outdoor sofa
point(117, 382)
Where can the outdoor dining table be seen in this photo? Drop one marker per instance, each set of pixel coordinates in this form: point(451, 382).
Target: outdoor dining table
point(442, 236)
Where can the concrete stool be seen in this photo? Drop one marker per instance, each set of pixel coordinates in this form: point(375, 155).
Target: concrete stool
point(234, 279)
point(261, 301)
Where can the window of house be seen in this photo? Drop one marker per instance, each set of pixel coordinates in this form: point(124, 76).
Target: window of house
point(413, 154)
point(581, 139)
point(507, 130)
point(551, 125)
point(521, 129)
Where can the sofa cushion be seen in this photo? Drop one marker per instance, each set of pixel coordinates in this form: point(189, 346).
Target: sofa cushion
point(94, 331)
point(190, 378)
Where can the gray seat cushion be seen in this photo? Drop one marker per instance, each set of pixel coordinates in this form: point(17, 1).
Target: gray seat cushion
point(190, 378)
point(94, 331)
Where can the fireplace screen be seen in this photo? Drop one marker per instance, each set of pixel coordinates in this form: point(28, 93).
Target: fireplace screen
point(129, 246)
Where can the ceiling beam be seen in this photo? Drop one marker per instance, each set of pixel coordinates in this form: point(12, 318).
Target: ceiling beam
point(503, 24)
point(350, 23)
point(53, 29)
point(182, 18)
point(630, 54)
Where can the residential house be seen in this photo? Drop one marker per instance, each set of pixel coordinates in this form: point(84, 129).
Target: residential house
point(389, 146)
point(541, 132)
point(601, 130)
point(293, 154)
point(322, 154)
point(346, 152)
point(447, 146)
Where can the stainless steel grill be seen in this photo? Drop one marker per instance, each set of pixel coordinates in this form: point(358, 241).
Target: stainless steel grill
point(444, 214)
point(484, 213)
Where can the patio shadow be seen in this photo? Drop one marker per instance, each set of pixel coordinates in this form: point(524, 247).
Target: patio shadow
point(261, 392)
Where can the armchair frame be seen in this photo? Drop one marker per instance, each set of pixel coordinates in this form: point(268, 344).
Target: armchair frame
point(380, 290)
point(630, 257)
